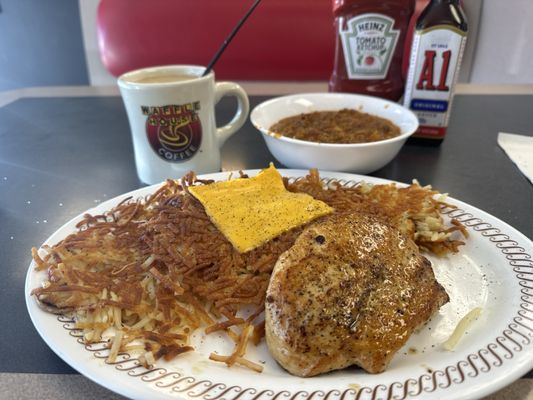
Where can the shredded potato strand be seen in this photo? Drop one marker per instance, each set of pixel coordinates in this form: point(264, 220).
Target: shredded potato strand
point(153, 270)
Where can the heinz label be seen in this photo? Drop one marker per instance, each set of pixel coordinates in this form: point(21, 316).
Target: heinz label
point(368, 44)
point(174, 131)
point(433, 69)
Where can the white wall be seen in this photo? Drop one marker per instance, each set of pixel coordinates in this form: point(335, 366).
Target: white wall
point(504, 52)
point(98, 75)
point(41, 44)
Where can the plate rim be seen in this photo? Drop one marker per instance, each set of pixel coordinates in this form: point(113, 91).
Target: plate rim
point(486, 388)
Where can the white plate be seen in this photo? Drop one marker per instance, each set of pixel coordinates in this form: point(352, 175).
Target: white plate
point(493, 270)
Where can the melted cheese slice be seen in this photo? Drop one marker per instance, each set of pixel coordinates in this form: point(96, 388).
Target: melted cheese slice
point(252, 211)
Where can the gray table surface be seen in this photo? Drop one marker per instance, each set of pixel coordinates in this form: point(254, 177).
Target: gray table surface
point(62, 155)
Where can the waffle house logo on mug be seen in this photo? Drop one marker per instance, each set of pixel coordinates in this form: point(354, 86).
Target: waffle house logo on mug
point(174, 131)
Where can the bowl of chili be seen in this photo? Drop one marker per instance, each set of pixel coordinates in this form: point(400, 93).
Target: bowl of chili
point(334, 131)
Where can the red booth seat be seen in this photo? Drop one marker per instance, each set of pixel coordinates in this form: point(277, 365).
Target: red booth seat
point(282, 39)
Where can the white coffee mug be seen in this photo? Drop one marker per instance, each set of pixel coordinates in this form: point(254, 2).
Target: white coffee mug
point(171, 111)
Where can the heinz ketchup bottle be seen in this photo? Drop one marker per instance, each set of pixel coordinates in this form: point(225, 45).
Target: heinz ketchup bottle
point(369, 46)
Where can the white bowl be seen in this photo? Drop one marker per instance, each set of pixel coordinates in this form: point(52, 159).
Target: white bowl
point(360, 158)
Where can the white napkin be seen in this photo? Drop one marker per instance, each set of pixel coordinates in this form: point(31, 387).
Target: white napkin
point(519, 148)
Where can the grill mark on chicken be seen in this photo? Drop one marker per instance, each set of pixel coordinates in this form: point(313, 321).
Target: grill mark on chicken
point(351, 290)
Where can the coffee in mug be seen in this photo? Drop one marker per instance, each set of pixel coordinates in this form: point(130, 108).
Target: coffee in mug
point(168, 78)
point(171, 111)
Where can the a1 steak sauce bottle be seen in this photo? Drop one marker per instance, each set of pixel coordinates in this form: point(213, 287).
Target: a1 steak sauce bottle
point(436, 52)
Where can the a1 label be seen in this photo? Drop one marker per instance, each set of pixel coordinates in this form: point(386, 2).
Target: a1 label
point(435, 60)
point(368, 44)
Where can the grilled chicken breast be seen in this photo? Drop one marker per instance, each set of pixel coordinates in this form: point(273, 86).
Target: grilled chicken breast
point(351, 290)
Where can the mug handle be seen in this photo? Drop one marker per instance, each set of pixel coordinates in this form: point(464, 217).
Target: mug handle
point(243, 107)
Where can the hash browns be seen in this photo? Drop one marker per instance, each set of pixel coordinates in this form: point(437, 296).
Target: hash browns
point(146, 274)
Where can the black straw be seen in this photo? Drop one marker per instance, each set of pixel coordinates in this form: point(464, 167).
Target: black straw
point(228, 39)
